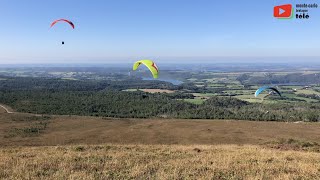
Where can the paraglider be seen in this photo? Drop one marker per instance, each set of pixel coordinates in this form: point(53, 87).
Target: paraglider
point(150, 65)
point(62, 20)
point(266, 87)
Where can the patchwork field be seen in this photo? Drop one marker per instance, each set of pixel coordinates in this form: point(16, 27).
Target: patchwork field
point(157, 90)
point(151, 90)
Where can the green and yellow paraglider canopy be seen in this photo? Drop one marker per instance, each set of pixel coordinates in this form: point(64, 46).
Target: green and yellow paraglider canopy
point(151, 66)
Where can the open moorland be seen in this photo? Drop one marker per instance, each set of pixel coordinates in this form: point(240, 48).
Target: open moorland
point(31, 130)
point(73, 147)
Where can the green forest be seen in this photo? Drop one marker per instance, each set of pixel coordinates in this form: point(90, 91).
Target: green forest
point(106, 98)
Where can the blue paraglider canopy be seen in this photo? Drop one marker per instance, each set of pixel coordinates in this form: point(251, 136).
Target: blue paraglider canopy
point(264, 88)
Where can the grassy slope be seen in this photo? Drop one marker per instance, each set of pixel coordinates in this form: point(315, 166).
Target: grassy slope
point(157, 162)
point(64, 130)
point(172, 149)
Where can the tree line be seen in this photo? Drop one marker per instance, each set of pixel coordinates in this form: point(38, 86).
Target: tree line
point(106, 98)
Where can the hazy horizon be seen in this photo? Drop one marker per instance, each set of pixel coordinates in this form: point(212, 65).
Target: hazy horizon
point(178, 60)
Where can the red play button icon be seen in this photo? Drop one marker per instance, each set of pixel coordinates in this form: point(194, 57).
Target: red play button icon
point(283, 11)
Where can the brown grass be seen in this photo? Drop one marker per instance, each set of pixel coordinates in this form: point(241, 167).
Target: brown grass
point(157, 162)
point(5, 109)
point(106, 148)
point(64, 130)
point(2, 111)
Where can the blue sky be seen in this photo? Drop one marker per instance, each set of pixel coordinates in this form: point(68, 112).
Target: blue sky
point(116, 31)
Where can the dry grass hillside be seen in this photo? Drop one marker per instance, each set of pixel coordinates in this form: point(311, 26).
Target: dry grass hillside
point(157, 162)
point(22, 129)
point(72, 147)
